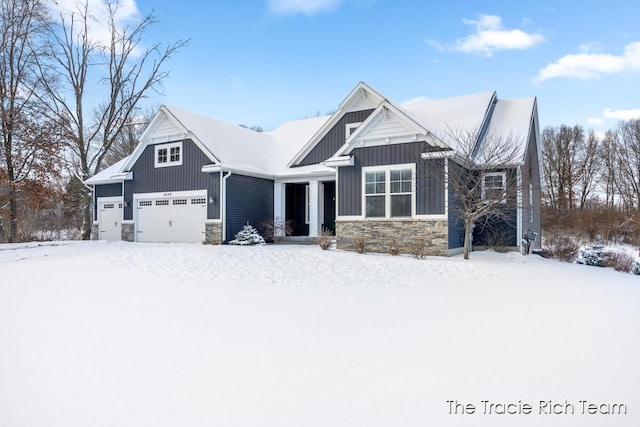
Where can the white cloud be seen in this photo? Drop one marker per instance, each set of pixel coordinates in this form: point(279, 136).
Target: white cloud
point(621, 114)
point(592, 65)
point(305, 7)
point(595, 121)
point(416, 100)
point(127, 13)
point(490, 36)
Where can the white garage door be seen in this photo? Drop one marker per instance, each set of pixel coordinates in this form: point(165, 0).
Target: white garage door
point(110, 219)
point(171, 219)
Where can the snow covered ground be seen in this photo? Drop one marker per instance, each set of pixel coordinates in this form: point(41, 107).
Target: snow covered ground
point(121, 334)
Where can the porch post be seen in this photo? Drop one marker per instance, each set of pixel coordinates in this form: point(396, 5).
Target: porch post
point(314, 206)
point(279, 204)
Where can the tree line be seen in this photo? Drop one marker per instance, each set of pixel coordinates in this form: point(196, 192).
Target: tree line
point(592, 181)
point(71, 94)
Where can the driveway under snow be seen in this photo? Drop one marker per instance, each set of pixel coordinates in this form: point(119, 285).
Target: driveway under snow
point(120, 334)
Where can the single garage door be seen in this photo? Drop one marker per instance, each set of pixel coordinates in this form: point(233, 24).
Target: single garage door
point(176, 219)
point(110, 220)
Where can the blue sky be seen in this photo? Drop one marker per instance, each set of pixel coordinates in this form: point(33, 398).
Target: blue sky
point(263, 62)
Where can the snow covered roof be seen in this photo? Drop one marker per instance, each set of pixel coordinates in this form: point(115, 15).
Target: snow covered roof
point(442, 117)
point(270, 153)
point(512, 119)
point(108, 175)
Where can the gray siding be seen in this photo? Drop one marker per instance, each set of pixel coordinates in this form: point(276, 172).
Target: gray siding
point(429, 177)
point(105, 190)
point(188, 176)
point(531, 174)
point(455, 224)
point(249, 200)
point(334, 139)
point(501, 231)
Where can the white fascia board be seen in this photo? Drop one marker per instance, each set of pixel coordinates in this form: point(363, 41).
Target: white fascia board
point(211, 168)
point(448, 154)
point(359, 136)
point(239, 171)
point(339, 161)
point(123, 176)
point(319, 176)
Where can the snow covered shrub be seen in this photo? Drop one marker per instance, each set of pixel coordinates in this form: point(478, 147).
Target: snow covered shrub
point(636, 268)
point(620, 261)
point(247, 236)
point(360, 244)
point(393, 247)
point(590, 257)
point(324, 240)
point(564, 248)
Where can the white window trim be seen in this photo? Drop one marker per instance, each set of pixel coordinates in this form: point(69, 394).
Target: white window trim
point(348, 127)
point(387, 190)
point(504, 185)
point(168, 148)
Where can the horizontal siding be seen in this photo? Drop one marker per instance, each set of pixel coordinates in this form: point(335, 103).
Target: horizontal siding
point(188, 176)
point(105, 190)
point(386, 128)
point(249, 200)
point(429, 177)
point(334, 139)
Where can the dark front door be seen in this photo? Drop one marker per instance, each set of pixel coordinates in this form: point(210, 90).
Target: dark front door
point(329, 205)
point(295, 204)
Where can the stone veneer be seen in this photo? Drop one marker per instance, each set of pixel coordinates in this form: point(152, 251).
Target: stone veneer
point(128, 232)
point(378, 234)
point(213, 233)
point(95, 231)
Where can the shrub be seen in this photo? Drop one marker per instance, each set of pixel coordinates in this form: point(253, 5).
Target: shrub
point(620, 261)
point(247, 236)
point(324, 240)
point(564, 248)
point(591, 257)
point(360, 244)
point(636, 268)
point(417, 248)
point(393, 248)
point(275, 230)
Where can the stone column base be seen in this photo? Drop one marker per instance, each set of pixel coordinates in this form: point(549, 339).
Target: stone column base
point(95, 232)
point(213, 233)
point(128, 232)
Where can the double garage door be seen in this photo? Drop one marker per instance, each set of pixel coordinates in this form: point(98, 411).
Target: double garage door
point(171, 219)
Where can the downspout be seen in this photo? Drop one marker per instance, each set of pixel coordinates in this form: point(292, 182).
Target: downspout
point(223, 203)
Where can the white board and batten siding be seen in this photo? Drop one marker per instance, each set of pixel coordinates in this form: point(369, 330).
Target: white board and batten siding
point(110, 214)
point(177, 216)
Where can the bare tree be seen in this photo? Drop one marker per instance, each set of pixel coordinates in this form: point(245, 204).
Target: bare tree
point(561, 153)
point(483, 179)
point(589, 168)
point(629, 163)
point(127, 70)
point(127, 140)
point(28, 140)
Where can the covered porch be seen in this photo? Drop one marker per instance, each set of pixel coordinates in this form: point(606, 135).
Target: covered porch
point(308, 206)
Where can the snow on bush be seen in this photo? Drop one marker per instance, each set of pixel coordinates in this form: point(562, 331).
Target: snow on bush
point(247, 236)
point(564, 248)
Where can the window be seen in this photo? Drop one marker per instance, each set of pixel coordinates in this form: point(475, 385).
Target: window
point(389, 192)
point(350, 128)
point(168, 154)
point(145, 203)
point(179, 202)
point(493, 187)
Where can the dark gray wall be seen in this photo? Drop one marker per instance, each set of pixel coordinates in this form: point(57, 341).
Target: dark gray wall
point(531, 174)
point(429, 177)
point(250, 200)
point(105, 190)
point(188, 176)
point(334, 139)
point(502, 230)
point(455, 224)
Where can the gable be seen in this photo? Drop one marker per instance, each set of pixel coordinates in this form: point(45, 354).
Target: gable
point(334, 139)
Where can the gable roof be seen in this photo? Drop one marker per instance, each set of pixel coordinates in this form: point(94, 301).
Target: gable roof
point(273, 153)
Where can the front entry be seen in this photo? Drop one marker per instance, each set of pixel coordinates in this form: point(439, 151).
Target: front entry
point(329, 206)
point(297, 208)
